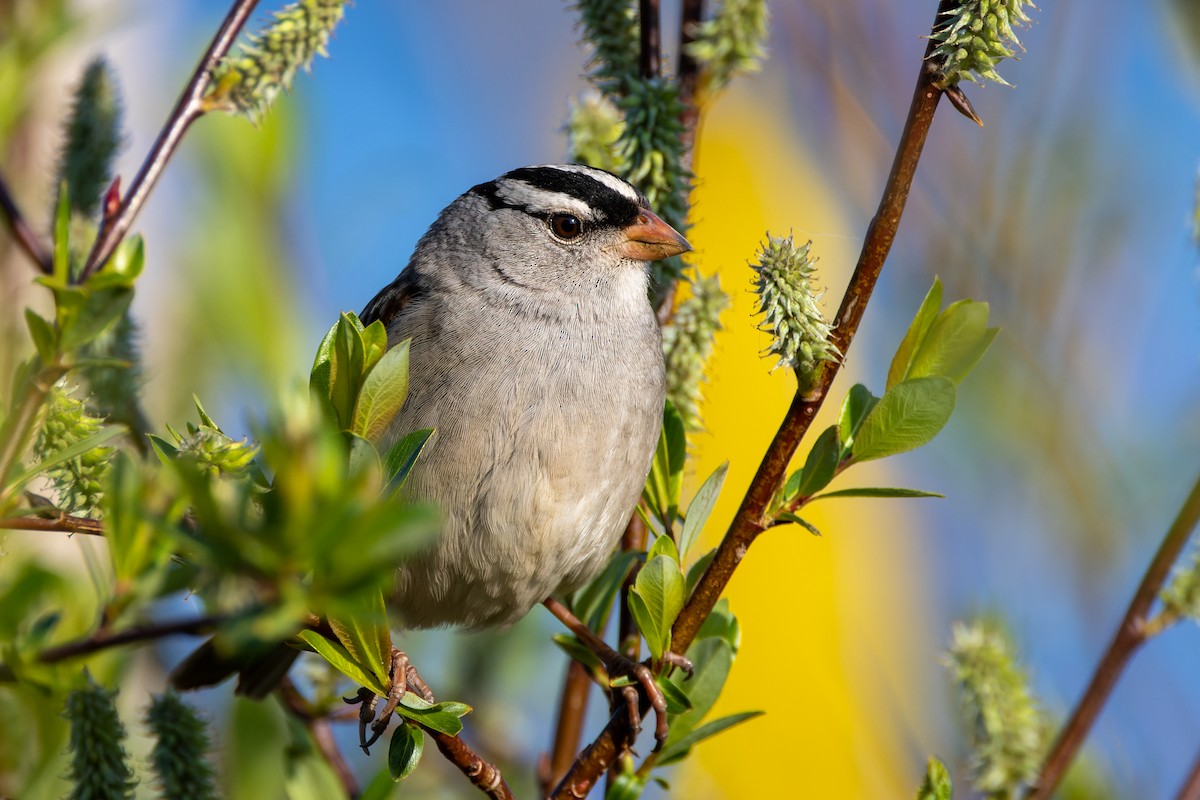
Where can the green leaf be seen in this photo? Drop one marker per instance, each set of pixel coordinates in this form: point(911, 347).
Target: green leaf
point(44, 337)
point(97, 439)
point(936, 785)
point(909, 415)
point(713, 659)
point(403, 455)
point(954, 343)
point(663, 546)
point(819, 468)
point(697, 570)
point(62, 232)
point(441, 717)
point(343, 662)
point(404, 751)
point(374, 338)
point(701, 508)
point(677, 700)
point(875, 492)
point(679, 750)
point(383, 393)
point(660, 589)
point(628, 785)
point(788, 516)
point(318, 380)
point(721, 624)
point(92, 317)
point(920, 325)
point(367, 637)
point(855, 408)
point(665, 481)
point(346, 370)
point(593, 603)
point(127, 262)
point(578, 651)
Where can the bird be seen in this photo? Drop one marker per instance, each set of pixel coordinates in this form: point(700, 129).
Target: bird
point(536, 358)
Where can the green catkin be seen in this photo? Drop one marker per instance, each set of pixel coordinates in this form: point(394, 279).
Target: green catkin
point(687, 344)
point(99, 764)
point(91, 139)
point(732, 41)
point(180, 754)
point(78, 482)
point(973, 37)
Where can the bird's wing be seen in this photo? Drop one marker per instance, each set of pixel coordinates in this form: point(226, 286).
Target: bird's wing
point(391, 300)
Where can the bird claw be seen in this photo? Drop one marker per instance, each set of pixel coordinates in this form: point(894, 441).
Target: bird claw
point(368, 700)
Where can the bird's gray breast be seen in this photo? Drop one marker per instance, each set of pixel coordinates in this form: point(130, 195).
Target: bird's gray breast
point(545, 431)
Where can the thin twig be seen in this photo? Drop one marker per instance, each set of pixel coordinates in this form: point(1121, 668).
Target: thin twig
point(1125, 642)
point(749, 520)
point(1191, 785)
point(102, 639)
point(188, 109)
point(322, 733)
point(688, 74)
point(59, 523)
point(483, 774)
point(22, 231)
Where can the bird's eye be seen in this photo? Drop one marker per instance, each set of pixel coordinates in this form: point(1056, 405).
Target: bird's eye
point(566, 226)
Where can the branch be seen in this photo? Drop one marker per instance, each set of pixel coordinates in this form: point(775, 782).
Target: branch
point(650, 54)
point(1191, 785)
point(61, 522)
point(749, 520)
point(1129, 636)
point(188, 109)
point(23, 233)
point(484, 775)
point(688, 74)
point(572, 708)
point(322, 734)
point(102, 640)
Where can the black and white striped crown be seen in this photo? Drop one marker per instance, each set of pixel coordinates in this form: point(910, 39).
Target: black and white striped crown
point(591, 194)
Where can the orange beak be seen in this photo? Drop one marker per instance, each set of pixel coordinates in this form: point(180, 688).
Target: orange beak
point(649, 239)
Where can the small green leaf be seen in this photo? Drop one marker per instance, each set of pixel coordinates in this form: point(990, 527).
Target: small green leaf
point(910, 414)
point(404, 751)
point(819, 468)
point(578, 651)
point(44, 337)
point(127, 262)
point(346, 369)
point(647, 623)
point(697, 570)
point(663, 546)
point(936, 785)
point(343, 662)
point(677, 700)
point(441, 717)
point(875, 492)
point(788, 516)
point(855, 408)
point(383, 393)
point(700, 508)
point(954, 343)
point(920, 325)
point(713, 659)
point(628, 785)
point(677, 751)
point(62, 231)
point(319, 377)
point(367, 637)
point(593, 603)
point(403, 455)
point(92, 317)
point(374, 344)
point(721, 624)
point(660, 587)
point(665, 480)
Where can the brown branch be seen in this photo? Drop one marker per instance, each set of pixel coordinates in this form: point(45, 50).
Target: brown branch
point(102, 639)
point(1128, 638)
point(688, 74)
point(1191, 785)
point(23, 233)
point(188, 109)
point(749, 520)
point(650, 52)
point(59, 523)
point(322, 733)
point(568, 731)
point(484, 775)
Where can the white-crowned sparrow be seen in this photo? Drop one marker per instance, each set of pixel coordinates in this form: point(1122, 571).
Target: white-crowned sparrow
point(537, 359)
